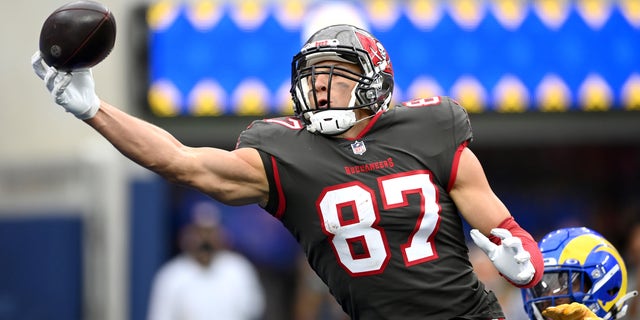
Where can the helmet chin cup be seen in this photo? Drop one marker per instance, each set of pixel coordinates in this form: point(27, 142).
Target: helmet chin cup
point(331, 122)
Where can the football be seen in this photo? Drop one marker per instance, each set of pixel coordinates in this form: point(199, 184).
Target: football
point(77, 35)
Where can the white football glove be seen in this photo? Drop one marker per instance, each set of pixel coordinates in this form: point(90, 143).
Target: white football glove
point(510, 258)
point(74, 91)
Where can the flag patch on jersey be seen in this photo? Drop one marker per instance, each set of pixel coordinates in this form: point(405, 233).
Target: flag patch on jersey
point(358, 147)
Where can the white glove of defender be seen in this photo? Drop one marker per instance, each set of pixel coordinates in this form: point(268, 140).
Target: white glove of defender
point(74, 91)
point(510, 258)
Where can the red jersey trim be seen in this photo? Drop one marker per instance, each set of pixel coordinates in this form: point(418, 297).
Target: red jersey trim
point(528, 243)
point(278, 183)
point(454, 165)
point(368, 127)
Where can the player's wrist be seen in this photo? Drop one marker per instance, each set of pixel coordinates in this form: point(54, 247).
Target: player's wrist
point(90, 112)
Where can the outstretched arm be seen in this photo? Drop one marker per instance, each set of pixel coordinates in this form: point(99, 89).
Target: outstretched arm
point(233, 177)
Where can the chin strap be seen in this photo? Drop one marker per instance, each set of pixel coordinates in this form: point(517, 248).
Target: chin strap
point(345, 124)
point(621, 306)
point(331, 122)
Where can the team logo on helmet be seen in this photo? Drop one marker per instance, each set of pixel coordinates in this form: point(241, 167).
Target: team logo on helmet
point(321, 43)
point(376, 51)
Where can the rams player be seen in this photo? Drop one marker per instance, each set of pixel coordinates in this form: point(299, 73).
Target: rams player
point(584, 278)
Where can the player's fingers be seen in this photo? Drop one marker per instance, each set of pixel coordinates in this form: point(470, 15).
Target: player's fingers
point(38, 65)
point(572, 311)
point(527, 273)
point(522, 256)
point(511, 242)
point(515, 245)
point(482, 241)
point(558, 312)
point(50, 78)
point(550, 311)
point(501, 233)
point(61, 83)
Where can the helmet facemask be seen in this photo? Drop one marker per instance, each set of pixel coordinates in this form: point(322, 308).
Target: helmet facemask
point(372, 91)
point(555, 288)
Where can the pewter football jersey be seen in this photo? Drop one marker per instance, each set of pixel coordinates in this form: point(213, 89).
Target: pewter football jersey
point(373, 214)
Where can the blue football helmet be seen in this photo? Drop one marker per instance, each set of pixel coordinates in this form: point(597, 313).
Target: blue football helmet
point(580, 265)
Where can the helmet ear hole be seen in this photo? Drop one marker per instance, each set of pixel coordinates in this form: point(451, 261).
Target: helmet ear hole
point(613, 291)
point(371, 94)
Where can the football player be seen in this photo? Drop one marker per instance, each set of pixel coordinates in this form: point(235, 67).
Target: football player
point(584, 278)
point(373, 194)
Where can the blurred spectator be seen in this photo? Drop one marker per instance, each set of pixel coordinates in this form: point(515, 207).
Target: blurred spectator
point(271, 249)
point(206, 280)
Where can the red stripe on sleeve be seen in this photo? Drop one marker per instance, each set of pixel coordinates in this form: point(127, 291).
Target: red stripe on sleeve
point(281, 199)
point(454, 165)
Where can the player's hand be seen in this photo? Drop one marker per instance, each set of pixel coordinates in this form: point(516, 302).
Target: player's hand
point(74, 91)
point(573, 311)
point(510, 258)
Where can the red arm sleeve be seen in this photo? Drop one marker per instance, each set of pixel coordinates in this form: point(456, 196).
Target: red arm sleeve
point(528, 243)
